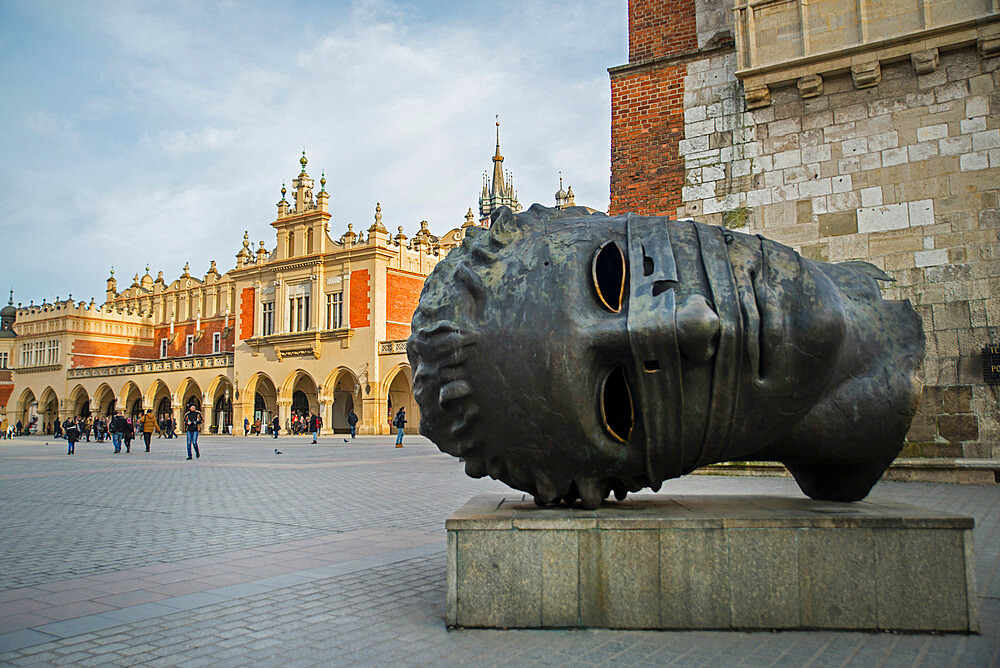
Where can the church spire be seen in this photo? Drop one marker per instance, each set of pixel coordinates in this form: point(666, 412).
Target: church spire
point(500, 191)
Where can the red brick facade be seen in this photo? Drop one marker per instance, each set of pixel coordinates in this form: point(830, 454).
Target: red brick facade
point(246, 313)
point(647, 109)
point(658, 28)
point(87, 353)
point(203, 345)
point(402, 291)
point(360, 301)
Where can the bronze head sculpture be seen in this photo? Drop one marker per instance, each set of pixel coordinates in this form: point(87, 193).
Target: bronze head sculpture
point(571, 354)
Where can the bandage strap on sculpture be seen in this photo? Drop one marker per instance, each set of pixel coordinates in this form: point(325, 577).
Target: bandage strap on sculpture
point(725, 399)
point(652, 334)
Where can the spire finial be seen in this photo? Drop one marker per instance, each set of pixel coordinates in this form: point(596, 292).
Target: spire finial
point(560, 179)
point(302, 160)
point(112, 271)
point(147, 268)
point(283, 190)
point(10, 302)
point(322, 181)
point(378, 213)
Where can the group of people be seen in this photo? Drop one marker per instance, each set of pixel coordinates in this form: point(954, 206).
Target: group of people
point(122, 430)
point(8, 430)
point(117, 428)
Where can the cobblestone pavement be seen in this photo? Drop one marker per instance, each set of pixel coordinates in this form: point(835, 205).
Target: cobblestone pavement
point(335, 555)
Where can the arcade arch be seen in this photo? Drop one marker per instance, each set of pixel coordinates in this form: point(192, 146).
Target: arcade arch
point(301, 393)
point(79, 401)
point(262, 397)
point(48, 409)
point(343, 387)
point(104, 401)
point(189, 394)
point(220, 392)
point(399, 393)
point(130, 400)
point(159, 398)
point(27, 408)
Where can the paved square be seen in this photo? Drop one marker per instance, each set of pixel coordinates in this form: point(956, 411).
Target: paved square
point(334, 554)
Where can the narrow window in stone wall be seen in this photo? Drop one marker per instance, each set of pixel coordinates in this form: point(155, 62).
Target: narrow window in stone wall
point(266, 318)
point(39, 353)
point(3, 360)
point(52, 353)
point(26, 355)
point(163, 347)
point(298, 313)
point(216, 342)
point(334, 310)
point(189, 344)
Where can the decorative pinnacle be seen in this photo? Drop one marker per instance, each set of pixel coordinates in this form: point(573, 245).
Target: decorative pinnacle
point(147, 268)
point(112, 271)
point(246, 238)
point(303, 161)
point(10, 302)
point(322, 181)
point(378, 213)
point(283, 191)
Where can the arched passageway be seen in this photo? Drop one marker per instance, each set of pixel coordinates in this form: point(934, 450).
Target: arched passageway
point(221, 393)
point(190, 395)
point(104, 401)
point(344, 388)
point(130, 400)
point(264, 395)
point(80, 402)
point(27, 410)
point(48, 409)
point(160, 399)
point(400, 394)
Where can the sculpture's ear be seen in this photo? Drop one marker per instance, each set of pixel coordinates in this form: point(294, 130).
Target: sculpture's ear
point(869, 270)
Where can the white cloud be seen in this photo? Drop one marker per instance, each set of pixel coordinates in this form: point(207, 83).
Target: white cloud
point(195, 114)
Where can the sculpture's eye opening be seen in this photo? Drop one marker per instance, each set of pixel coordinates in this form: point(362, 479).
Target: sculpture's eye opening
point(617, 411)
point(610, 276)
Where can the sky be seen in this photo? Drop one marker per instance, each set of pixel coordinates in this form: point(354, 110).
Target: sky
point(157, 132)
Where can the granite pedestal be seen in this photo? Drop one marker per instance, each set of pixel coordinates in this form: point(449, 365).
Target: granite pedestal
point(710, 562)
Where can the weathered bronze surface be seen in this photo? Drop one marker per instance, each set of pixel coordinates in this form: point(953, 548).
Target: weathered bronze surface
point(570, 355)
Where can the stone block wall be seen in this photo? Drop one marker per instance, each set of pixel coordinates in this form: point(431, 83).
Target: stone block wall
point(903, 173)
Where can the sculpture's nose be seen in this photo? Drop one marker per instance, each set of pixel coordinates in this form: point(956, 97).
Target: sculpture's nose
point(697, 328)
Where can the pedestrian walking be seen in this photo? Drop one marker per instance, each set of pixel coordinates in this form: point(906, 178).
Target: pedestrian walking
point(192, 424)
point(315, 422)
point(72, 436)
point(275, 426)
point(399, 422)
point(246, 426)
point(117, 429)
point(352, 421)
point(148, 424)
point(128, 435)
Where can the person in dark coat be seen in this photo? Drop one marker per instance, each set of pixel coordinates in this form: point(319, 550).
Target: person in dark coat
point(352, 420)
point(399, 422)
point(72, 436)
point(275, 426)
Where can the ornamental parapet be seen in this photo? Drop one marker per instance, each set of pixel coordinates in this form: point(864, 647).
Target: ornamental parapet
point(220, 360)
point(392, 347)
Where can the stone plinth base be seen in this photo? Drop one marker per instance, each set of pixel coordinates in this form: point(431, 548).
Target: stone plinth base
point(710, 562)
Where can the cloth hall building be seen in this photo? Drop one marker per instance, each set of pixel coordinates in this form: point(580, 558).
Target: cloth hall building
point(305, 324)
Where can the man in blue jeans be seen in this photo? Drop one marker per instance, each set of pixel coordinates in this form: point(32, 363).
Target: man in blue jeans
point(192, 424)
point(399, 422)
point(117, 429)
point(352, 420)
